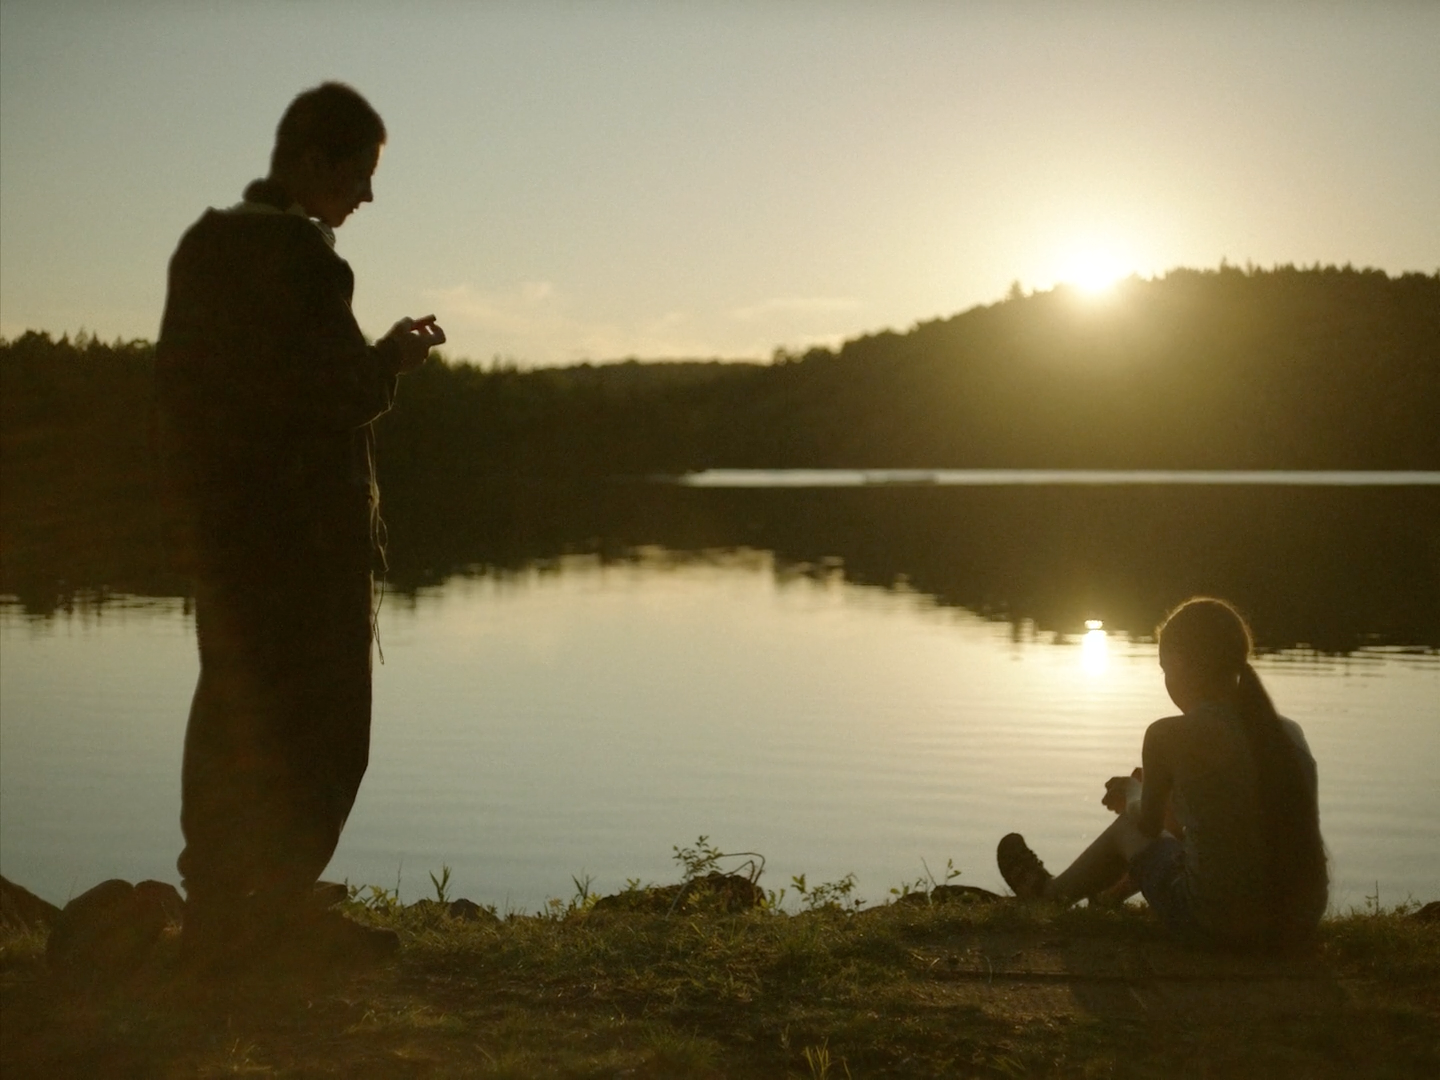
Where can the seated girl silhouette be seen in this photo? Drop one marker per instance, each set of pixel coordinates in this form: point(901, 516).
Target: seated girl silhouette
point(1219, 828)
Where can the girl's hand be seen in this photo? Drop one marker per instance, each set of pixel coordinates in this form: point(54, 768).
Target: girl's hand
point(1120, 791)
point(416, 337)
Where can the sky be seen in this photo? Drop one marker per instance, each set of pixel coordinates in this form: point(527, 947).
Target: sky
point(600, 180)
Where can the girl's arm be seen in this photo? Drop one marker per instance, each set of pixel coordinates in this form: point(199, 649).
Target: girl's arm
point(1120, 791)
point(1152, 809)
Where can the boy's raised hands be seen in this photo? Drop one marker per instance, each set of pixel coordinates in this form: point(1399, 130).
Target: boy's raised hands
point(416, 338)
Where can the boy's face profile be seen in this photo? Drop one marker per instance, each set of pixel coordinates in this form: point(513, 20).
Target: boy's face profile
point(333, 190)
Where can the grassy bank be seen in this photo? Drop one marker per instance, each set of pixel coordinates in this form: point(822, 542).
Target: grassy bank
point(908, 990)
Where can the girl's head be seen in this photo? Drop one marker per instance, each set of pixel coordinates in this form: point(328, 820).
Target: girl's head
point(1205, 645)
point(326, 149)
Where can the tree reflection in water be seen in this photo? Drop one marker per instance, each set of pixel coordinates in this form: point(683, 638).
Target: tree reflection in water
point(1328, 568)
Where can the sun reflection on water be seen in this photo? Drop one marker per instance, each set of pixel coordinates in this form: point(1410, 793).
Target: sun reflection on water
point(1095, 648)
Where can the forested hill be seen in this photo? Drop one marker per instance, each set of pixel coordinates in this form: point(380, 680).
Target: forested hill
point(1285, 368)
point(1323, 368)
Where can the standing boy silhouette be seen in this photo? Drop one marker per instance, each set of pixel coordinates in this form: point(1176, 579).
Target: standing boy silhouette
point(267, 390)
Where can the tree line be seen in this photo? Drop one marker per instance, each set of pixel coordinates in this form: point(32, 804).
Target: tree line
point(1230, 368)
point(1286, 368)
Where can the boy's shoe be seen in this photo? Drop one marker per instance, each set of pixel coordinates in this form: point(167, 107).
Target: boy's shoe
point(220, 939)
point(226, 940)
point(327, 938)
point(1021, 868)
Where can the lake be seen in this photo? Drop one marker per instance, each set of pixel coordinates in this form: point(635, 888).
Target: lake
point(852, 681)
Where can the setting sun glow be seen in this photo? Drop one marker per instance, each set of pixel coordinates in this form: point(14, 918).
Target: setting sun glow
point(1093, 270)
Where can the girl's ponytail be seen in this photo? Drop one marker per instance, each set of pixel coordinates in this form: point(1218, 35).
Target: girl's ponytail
point(1289, 813)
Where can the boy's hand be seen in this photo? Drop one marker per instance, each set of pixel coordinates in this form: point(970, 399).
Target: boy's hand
point(416, 337)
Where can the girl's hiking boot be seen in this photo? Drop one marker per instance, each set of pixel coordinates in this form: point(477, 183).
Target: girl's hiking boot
point(1021, 868)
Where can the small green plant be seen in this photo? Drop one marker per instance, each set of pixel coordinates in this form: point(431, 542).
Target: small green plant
point(820, 1063)
point(905, 888)
point(442, 884)
point(704, 858)
point(699, 860)
point(375, 898)
point(950, 872)
point(926, 883)
point(584, 898)
point(828, 894)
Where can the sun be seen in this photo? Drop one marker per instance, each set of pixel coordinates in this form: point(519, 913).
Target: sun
point(1092, 270)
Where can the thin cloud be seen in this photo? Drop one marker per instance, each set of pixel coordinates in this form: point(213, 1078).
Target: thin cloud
point(530, 322)
point(514, 312)
point(667, 336)
point(789, 306)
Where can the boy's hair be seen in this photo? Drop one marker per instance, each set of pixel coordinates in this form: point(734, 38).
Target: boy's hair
point(332, 118)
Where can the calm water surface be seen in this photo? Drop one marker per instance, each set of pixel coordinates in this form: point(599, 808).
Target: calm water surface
point(842, 478)
point(583, 719)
